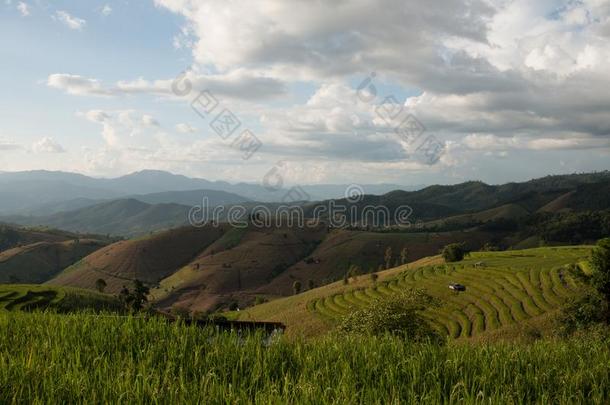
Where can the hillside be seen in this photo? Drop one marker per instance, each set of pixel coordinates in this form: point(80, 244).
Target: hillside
point(23, 297)
point(149, 259)
point(502, 289)
point(14, 236)
point(40, 261)
point(129, 217)
point(35, 297)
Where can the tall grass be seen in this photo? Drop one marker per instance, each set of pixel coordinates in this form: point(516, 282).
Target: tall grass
point(47, 358)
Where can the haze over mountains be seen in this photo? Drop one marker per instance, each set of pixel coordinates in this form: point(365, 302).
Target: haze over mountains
point(139, 214)
point(44, 192)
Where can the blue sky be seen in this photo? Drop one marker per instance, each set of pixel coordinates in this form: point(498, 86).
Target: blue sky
point(503, 90)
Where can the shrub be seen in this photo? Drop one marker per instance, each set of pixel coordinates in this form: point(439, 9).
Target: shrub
point(397, 315)
point(100, 285)
point(454, 252)
point(260, 300)
point(296, 287)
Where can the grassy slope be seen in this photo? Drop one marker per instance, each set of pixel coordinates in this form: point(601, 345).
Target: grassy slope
point(149, 259)
point(514, 286)
point(39, 262)
point(75, 358)
point(15, 297)
point(340, 249)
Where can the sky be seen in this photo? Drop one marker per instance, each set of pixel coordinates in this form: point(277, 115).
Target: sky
point(345, 91)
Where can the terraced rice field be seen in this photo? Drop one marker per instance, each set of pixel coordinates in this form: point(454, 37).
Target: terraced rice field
point(502, 289)
point(33, 297)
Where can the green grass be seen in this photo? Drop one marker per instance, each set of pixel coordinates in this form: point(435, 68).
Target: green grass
point(47, 358)
point(14, 297)
point(511, 288)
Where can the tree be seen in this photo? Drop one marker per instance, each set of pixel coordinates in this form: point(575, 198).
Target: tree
point(600, 263)
point(398, 314)
point(296, 287)
point(100, 285)
point(454, 252)
point(388, 257)
point(134, 300)
point(404, 255)
point(594, 306)
point(354, 271)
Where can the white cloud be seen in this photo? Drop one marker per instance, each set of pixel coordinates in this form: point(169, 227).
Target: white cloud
point(70, 21)
point(488, 76)
point(149, 121)
point(184, 128)
point(7, 145)
point(236, 85)
point(106, 10)
point(76, 85)
point(47, 145)
point(23, 8)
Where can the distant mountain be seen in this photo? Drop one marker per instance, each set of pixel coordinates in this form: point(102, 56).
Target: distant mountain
point(128, 217)
point(192, 197)
point(33, 192)
point(142, 214)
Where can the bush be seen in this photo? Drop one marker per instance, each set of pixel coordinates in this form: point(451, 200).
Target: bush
point(397, 315)
point(454, 252)
point(296, 287)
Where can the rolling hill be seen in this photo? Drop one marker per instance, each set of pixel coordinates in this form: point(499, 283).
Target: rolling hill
point(503, 289)
point(204, 269)
point(149, 259)
point(129, 218)
point(40, 261)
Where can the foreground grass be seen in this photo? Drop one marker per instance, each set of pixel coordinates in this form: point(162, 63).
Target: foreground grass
point(47, 358)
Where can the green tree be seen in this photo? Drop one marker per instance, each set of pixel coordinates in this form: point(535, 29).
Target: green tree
point(600, 263)
point(404, 255)
point(388, 257)
point(398, 314)
point(296, 287)
point(454, 252)
point(134, 300)
point(100, 285)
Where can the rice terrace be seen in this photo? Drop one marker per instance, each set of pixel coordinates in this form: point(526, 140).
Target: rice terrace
point(305, 202)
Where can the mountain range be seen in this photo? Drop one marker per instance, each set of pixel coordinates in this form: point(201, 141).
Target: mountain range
point(45, 192)
point(218, 266)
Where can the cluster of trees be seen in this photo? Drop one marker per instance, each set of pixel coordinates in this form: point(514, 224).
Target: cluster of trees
point(135, 299)
point(565, 227)
point(9, 237)
point(594, 306)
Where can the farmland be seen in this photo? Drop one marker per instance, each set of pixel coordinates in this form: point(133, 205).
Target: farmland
point(16, 297)
point(57, 359)
point(503, 289)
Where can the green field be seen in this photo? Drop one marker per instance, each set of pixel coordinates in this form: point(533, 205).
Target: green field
point(48, 358)
point(503, 290)
point(63, 299)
